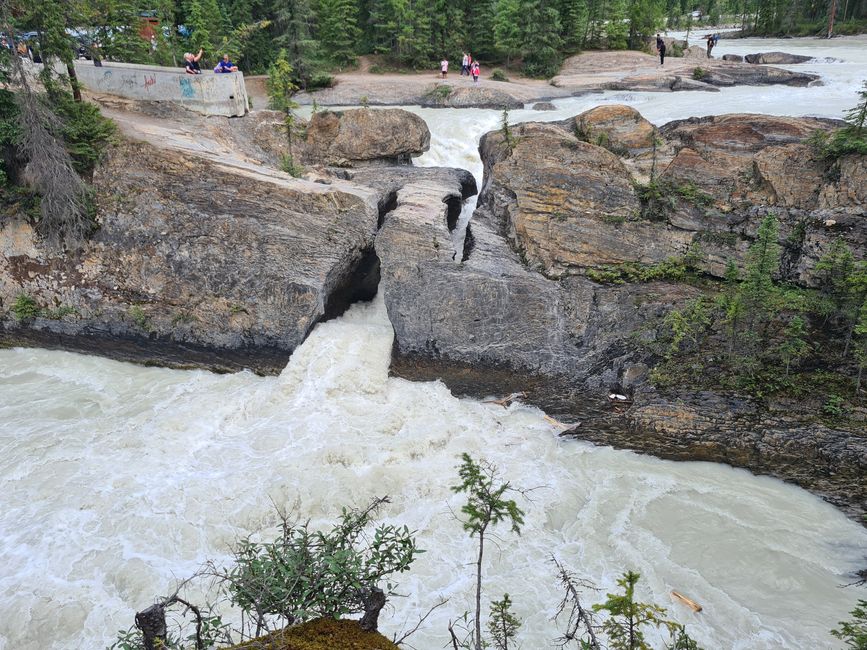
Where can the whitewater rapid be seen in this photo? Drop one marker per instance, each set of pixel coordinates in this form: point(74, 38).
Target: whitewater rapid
point(118, 480)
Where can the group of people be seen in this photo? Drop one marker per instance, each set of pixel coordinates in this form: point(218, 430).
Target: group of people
point(468, 67)
point(712, 40)
point(191, 64)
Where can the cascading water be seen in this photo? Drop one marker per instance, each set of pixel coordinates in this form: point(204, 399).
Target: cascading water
point(118, 480)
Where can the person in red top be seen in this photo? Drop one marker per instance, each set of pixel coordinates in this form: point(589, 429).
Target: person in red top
point(475, 71)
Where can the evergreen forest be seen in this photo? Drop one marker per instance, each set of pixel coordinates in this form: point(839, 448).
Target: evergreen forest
point(320, 36)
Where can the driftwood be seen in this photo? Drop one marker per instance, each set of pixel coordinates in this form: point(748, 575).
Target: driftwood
point(686, 601)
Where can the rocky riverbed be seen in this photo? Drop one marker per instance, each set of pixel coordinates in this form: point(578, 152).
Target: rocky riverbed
point(227, 263)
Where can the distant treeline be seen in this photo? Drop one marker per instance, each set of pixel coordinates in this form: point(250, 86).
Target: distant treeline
point(322, 35)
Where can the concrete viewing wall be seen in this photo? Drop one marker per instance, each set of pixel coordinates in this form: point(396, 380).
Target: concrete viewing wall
point(207, 93)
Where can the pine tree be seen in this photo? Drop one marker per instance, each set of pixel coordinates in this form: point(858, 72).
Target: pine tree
point(338, 29)
point(199, 26)
point(541, 38)
point(294, 21)
point(508, 34)
point(574, 15)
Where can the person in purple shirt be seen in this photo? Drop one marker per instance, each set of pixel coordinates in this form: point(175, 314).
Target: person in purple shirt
point(225, 65)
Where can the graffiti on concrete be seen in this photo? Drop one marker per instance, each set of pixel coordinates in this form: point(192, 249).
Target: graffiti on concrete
point(186, 87)
point(149, 80)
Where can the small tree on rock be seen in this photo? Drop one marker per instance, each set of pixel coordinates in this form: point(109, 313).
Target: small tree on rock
point(485, 507)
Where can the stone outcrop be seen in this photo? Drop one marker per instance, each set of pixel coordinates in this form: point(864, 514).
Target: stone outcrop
point(777, 58)
point(447, 96)
point(199, 262)
point(734, 58)
point(617, 127)
point(364, 136)
point(516, 310)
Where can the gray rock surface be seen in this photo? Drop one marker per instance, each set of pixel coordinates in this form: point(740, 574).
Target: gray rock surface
point(365, 136)
point(777, 58)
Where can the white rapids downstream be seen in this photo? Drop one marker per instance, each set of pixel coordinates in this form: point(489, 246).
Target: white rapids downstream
point(118, 480)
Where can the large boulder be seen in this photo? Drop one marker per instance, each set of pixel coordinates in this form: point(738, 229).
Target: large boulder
point(566, 204)
point(734, 58)
point(365, 136)
point(777, 58)
point(473, 96)
point(618, 128)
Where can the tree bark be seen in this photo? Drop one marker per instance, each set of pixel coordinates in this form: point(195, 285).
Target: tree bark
point(152, 623)
point(374, 601)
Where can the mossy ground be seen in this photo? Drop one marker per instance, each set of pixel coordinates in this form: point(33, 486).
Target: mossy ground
point(321, 634)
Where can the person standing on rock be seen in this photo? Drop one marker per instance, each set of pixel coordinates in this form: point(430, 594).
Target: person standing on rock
point(660, 47)
point(444, 68)
point(710, 44)
point(476, 71)
point(465, 65)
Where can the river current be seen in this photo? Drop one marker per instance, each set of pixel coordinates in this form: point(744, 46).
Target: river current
point(118, 480)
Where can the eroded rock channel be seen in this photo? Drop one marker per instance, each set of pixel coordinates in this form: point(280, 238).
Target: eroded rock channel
point(222, 262)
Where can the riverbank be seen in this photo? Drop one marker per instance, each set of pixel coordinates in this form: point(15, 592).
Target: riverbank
point(590, 72)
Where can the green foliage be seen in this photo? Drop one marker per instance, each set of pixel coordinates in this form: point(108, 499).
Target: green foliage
point(503, 624)
point(25, 307)
point(85, 131)
point(699, 73)
point(676, 269)
point(280, 84)
point(506, 130)
point(486, 506)
point(627, 617)
point(288, 165)
point(439, 93)
point(138, 316)
point(851, 139)
point(854, 632)
point(306, 574)
point(498, 75)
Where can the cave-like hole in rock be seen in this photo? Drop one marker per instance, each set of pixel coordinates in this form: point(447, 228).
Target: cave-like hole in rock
point(359, 285)
point(455, 205)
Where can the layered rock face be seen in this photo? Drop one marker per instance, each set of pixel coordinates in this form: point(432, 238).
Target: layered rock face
point(517, 311)
point(226, 265)
point(197, 262)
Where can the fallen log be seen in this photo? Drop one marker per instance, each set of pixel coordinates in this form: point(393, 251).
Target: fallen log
point(686, 601)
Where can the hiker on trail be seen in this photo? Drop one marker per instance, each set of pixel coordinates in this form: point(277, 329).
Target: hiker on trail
point(465, 65)
point(710, 44)
point(225, 65)
point(475, 70)
point(444, 67)
point(192, 62)
point(660, 47)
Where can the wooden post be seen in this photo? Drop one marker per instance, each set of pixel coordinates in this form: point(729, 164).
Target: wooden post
point(831, 15)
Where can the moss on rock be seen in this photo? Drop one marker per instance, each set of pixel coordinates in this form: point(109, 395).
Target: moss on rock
point(321, 634)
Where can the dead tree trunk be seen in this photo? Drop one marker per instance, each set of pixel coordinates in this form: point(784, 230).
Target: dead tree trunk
point(152, 623)
point(374, 601)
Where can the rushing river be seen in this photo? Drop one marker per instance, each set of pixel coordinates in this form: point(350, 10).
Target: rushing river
point(117, 480)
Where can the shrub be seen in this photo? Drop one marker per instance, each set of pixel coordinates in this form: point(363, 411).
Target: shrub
point(699, 73)
point(288, 165)
point(24, 307)
point(498, 75)
point(306, 574)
